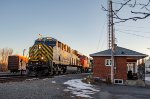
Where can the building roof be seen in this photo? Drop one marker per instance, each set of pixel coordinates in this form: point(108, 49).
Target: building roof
point(119, 51)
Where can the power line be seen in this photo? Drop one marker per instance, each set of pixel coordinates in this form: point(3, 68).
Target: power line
point(100, 36)
point(133, 31)
point(120, 3)
point(133, 34)
point(132, 26)
point(103, 42)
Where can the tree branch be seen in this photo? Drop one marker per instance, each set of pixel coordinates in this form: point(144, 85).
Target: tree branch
point(132, 5)
point(145, 5)
point(122, 5)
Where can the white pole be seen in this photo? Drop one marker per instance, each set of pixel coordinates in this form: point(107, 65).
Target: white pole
point(112, 42)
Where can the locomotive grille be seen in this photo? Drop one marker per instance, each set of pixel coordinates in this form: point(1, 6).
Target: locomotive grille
point(39, 51)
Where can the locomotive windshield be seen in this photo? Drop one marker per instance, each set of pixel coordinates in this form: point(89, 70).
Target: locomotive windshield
point(47, 41)
point(37, 42)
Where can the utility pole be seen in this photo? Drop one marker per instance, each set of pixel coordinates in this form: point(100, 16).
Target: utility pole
point(111, 36)
point(24, 51)
point(109, 25)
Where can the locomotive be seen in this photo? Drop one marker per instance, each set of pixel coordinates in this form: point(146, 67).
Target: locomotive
point(48, 56)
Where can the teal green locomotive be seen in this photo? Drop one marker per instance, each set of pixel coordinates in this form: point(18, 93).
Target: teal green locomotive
point(49, 56)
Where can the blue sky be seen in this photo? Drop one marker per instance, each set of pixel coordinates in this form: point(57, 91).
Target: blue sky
point(79, 23)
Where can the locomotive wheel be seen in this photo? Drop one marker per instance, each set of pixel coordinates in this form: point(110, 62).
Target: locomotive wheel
point(50, 72)
point(57, 72)
point(64, 70)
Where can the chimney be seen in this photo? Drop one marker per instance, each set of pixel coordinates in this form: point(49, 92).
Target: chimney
point(115, 45)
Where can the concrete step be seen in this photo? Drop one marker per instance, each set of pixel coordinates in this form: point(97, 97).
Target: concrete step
point(135, 83)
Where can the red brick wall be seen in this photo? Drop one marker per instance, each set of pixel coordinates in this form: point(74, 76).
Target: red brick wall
point(121, 68)
point(102, 71)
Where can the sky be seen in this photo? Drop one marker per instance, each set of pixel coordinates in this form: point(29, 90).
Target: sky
point(81, 24)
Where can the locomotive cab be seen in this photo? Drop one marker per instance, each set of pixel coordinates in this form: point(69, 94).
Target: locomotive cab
point(41, 56)
point(47, 41)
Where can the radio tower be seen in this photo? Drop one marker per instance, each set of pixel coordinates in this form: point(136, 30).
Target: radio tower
point(111, 36)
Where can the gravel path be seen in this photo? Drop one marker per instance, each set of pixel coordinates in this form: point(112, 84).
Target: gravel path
point(53, 88)
point(47, 88)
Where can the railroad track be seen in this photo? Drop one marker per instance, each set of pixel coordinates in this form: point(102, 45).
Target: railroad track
point(18, 78)
point(11, 78)
point(8, 75)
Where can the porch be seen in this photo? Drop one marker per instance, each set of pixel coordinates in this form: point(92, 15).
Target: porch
point(135, 68)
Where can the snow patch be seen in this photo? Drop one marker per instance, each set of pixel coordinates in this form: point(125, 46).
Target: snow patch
point(45, 79)
point(147, 78)
point(32, 79)
point(53, 82)
point(60, 76)
point(78, 88)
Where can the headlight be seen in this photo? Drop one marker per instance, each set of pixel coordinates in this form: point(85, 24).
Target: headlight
point(39, 46)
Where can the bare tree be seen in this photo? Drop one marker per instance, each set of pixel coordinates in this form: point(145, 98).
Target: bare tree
point(4, 53)
point(139, 9)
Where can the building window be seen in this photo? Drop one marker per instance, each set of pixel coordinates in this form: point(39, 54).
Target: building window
point(107, 62)
point(118, 81)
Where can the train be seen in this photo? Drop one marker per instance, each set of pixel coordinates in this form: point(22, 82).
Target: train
point(17, 63)
point(49, 56)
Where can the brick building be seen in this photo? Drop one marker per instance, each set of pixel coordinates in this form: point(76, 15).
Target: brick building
point(125, 61)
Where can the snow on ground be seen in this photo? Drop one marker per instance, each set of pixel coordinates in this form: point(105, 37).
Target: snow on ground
point(53, 82)
point(147, 77)
point(32, 79)
point(45, 79)
point(59, 76)
point(78, 88)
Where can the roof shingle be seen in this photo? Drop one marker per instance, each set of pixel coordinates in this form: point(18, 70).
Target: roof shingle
point(119, 51)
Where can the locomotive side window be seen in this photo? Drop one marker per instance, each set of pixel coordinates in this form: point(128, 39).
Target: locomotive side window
point(50, 43)
point(64, 47)
point(59, 44)
point(67, 48)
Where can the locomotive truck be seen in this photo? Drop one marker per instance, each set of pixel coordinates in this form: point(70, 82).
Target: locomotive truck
point(48, 56)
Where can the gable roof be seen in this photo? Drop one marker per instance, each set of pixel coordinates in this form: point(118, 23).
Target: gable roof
point(119, 51)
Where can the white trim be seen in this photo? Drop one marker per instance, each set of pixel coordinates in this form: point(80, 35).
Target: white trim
point(108, 62)
point(132, 66)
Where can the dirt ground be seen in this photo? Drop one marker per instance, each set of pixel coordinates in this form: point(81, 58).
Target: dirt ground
point(53, 88)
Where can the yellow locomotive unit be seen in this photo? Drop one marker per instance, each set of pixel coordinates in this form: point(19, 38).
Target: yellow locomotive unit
point(49, 56)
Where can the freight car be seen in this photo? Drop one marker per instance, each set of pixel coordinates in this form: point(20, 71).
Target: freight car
point(17, 63)
point(50, 56)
